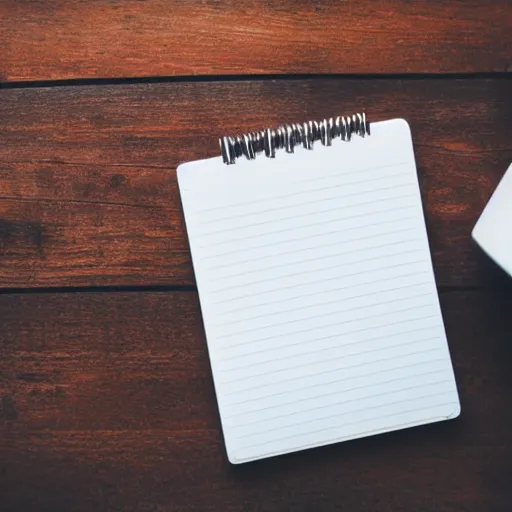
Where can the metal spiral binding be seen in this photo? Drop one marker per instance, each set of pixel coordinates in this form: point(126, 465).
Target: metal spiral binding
point(289, 136)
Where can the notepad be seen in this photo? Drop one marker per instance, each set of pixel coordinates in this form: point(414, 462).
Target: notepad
point(317, 293)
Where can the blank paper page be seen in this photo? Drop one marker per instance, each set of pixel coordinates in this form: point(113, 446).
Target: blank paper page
point(317, 292)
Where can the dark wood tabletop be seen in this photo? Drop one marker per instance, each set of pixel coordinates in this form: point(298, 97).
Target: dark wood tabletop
point(106, 395)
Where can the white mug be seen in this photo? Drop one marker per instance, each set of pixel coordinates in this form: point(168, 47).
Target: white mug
point(493, 231)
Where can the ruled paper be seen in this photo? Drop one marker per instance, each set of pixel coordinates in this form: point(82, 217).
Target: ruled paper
point(318, 296)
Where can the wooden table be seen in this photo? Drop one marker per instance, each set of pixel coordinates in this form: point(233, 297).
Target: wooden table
point(106, 397)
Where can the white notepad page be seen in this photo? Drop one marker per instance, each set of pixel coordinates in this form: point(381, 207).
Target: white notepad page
point(317, 292)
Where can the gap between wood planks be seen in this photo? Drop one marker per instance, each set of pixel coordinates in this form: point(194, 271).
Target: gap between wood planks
point(444, 289)
point(251, 78)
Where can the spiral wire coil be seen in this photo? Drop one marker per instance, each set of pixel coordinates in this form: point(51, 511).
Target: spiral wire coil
point(289, 136)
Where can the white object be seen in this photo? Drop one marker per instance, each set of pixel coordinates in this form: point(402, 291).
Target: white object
point(318, 295)
point(493, 231)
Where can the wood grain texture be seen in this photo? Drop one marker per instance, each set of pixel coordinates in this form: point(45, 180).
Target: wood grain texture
point(56, 39)
point(106, 403)
point(88, 192)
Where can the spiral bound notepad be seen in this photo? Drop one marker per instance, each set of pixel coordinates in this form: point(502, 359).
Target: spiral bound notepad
point(316, 286)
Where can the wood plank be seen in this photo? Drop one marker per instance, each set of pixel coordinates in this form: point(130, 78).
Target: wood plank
point(88, 192)
point(106, 403)
point(51, 39)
